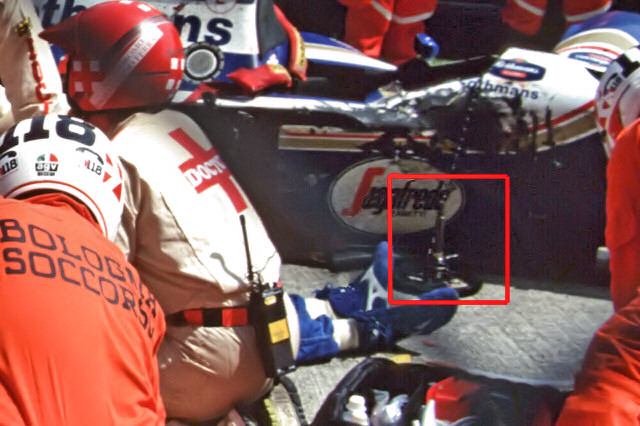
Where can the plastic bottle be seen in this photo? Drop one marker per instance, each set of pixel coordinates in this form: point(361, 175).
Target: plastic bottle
point(356, 411)
point(389, 414)
point(381, 398)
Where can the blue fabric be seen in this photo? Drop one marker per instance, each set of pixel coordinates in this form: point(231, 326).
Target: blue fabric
point(316, 335)
point(368, 291)
point(381, 328)
point(365, 300)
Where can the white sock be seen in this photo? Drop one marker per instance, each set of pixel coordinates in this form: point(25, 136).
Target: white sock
point(345, 330)
point(317, 307)
point(346, 334)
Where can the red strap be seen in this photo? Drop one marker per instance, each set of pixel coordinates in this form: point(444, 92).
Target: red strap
point(234, 317)
point(193, 316)
point(217, 317)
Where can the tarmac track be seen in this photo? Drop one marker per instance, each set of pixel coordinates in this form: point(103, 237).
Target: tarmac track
point(541, 335)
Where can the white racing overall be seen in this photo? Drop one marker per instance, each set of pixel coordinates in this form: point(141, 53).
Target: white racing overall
point(28, 71)
point(181, 229)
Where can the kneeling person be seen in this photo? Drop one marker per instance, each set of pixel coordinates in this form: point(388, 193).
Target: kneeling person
point(79, 331)
point(181, 225)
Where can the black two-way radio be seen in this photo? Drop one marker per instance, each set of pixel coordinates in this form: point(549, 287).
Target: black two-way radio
point(269, 319)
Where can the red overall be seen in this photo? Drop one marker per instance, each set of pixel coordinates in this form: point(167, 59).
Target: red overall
point(623, 216)
point(526, 15)
point(607, 390)
point(386, 28)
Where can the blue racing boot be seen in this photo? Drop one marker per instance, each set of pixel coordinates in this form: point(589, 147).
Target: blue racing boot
point(380, 328)
point(368, 291)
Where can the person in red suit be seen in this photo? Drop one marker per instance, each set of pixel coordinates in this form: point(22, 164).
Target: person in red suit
point(386, 28)
point(526, 16)
point(607, 388)
point(617, 109)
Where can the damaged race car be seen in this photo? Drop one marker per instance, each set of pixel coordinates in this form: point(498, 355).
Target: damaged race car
point(313, 150)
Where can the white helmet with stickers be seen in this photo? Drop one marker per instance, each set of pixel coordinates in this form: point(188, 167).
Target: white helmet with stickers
point(618, 95)
point(64, 154)
point(599, 40)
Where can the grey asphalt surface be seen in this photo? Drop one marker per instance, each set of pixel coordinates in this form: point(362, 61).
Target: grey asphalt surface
point(540, 336)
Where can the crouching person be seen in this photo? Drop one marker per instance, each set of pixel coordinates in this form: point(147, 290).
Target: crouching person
point(185, 235)
point(79, 331)
point(607, 388)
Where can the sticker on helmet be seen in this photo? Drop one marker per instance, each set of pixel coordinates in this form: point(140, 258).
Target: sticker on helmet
point(611, 84)
point(8, 163)
point(46, 165)
point(92, 160)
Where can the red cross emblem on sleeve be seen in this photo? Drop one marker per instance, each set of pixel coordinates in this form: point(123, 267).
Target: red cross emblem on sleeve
point(206, 169)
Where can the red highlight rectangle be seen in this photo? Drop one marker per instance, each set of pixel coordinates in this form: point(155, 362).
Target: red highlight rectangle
point(507, 232)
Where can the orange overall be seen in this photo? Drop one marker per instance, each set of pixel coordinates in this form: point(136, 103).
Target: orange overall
point(79, 332)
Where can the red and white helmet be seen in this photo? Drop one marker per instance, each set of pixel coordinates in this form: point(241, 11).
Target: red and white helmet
point(64, 154)
point(122, 54)
point(618, 95)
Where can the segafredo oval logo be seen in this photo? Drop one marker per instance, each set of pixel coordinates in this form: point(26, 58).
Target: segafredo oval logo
point(517, 69)
point(358, 197)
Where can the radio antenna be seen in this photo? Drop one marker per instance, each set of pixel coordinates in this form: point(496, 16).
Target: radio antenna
point(247, 253)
